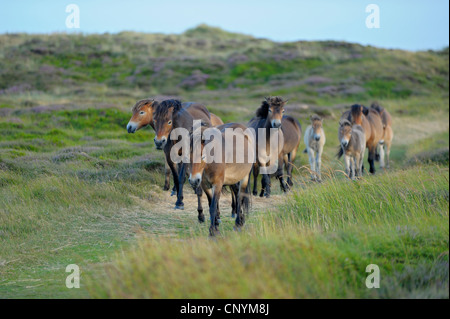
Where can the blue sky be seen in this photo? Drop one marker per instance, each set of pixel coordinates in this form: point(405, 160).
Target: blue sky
point(411, 25)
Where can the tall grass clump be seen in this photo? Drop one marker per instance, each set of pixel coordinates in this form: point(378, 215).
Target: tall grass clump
point(317, 246)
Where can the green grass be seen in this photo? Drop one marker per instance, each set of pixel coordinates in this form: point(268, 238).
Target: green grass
point(76, 188)
point(317, 246)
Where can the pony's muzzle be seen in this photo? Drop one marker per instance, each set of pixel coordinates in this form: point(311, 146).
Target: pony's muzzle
point(276, 123)
point(160, 143)
point(344, 143)
point(317, 137)
point(195, 180)
point(131, 127)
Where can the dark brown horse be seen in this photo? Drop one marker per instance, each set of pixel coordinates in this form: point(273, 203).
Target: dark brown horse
point(212, 176)
point(270, 115)
point(370, 120)
point(143, 116)
point(169, 115)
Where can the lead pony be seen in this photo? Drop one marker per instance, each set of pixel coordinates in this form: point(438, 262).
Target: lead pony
point(213, 176)
point(169, 115)
point(143, 116)
point(270, 115)
point(370, 121)
point(388, 135)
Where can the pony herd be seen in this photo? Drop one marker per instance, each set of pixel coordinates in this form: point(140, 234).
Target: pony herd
point(359, 128)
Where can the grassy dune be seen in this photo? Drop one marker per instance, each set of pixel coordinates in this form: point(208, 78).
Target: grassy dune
point(76, 188)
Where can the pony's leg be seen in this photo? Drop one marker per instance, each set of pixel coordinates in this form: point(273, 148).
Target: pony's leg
point(201, 216)
point(181, 178)
point(388, 153)
point(167, 176)
point(279, 175)
point(234, 199)
point(312, 163)
point(319, 164)
point(381, 151)
point(372, 151)
point(213, 229)
point(173, 168)
point(289, 167)
point(353, 165)
point(356, 165)
point(255, 179)
point(347, 166)
point(240, 217)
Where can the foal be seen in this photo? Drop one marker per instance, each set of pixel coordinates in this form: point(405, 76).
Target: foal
point(353, 146)
point(315, 140)
point(212, 176)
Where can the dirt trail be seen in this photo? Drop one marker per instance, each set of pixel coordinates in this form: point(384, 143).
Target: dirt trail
point(157, 212)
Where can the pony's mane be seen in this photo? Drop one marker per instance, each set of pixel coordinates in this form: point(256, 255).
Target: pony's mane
point(165, 105)
point(263, 110)
point(141, 103)
point(315, 117)
point(356, 110)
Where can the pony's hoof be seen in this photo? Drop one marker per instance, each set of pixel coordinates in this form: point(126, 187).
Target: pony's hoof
point(178, 206)
point(255, 193)
point(233, 215)
point(166, 188)
point(173, 193)
point(201, 218)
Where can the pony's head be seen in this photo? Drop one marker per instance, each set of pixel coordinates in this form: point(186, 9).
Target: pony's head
point(272, 109)
point(345, 132)
point(163, 121)
point(316, 124)
point(356, 113)
point(197, 168)
point(142, 115)
point(377, 107)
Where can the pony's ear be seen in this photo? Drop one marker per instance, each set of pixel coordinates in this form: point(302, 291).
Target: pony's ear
point(365, 110)
point(285, 101)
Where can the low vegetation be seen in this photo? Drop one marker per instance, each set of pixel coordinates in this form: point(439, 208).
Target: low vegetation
point(76, 188)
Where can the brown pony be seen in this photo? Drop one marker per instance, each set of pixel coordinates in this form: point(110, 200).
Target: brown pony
point(213, 176)
point(370, 120)
point(388, 135)
point(270, 115)
point(353, 145)
point(143, 116)
point(169, 115)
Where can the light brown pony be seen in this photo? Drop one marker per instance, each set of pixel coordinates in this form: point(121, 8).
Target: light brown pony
point(169, 115)
point(143, 116)
point(353, 146)
point(315, 140)
point(213, 176)
point(388, 135)
point(370, 120)
point(270, 115)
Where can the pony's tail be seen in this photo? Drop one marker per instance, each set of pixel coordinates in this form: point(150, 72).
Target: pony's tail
point(339, 153)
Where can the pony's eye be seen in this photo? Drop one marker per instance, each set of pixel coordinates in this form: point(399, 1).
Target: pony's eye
point(170, 122)
point(142, 112)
